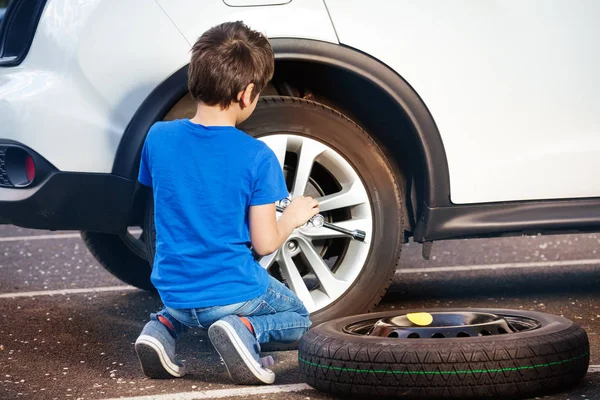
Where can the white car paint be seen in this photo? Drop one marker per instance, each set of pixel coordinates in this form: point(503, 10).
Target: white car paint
point(86, 73)
point(93, 62)
point(513, 86)
point(305, 19)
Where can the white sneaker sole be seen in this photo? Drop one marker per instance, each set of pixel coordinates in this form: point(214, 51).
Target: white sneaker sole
point(154, 359)
point(241, 366)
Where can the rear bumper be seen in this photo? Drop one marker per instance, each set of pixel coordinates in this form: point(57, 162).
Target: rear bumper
point(70, 201)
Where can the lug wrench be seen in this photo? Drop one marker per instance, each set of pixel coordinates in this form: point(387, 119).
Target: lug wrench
point(319, 221)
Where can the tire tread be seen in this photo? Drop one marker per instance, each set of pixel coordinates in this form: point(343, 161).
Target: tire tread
point(339, 366)
point(118, 259)
point(276, 100)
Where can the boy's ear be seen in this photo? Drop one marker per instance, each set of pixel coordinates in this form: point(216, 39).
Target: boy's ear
point(245, 96)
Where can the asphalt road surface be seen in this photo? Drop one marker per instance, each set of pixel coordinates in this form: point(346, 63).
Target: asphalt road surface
point(67, 327)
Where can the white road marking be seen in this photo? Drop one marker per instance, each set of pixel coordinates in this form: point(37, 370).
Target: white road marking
point(220, 393)
point(67, 291)
point(40, 237)
point(535, 264)
point(54, 236)
point(246, 391)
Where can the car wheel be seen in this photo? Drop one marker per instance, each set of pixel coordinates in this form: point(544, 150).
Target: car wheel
point(124, 256)
point(327, 156)
point(445, 354)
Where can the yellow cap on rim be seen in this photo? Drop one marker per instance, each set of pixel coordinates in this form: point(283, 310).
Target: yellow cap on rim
point(421, 318)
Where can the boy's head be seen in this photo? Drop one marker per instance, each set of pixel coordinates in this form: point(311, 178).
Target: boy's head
point(230, 64)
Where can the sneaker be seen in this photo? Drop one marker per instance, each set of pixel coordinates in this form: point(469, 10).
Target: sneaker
point(155, 349)
point(240, 351)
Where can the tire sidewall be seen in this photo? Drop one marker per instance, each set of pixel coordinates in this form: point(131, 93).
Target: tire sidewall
point(325, 125)
point(531, 363)
point(119, 259)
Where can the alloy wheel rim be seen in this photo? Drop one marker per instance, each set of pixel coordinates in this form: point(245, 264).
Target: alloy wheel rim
point(319, 264)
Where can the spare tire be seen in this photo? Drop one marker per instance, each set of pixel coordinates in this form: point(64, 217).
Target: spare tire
point(470, 356)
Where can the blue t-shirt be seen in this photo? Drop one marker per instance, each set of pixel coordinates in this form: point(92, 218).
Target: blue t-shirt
point(204, 179)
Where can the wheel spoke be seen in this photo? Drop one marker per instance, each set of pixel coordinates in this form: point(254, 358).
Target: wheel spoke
point(332, 286)
point(352, 195)
point(277, 143)
point(294, 280)
point(267, 261)
point(308, 152)
point(302, 267)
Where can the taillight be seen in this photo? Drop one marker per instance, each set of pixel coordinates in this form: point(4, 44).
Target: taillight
point(17, 167)
point(29, 168)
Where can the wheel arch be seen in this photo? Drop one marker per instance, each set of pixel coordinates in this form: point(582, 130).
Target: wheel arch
point(334, 72)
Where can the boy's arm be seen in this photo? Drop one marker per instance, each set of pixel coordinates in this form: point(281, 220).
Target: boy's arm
point(267, 233)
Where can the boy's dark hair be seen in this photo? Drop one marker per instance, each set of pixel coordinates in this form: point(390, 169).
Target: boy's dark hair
point(226, 59)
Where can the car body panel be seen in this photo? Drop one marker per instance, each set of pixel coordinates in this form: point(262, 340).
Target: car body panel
point(74, 94)
point(512, 86)
point(90, 68)
point(302, 19)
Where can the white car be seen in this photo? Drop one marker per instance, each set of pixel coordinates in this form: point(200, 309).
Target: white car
point(430, 119)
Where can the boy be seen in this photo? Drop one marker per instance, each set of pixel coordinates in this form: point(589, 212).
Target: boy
point(215, 190)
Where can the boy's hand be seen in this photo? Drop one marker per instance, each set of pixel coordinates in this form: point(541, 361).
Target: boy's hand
point(300, 210)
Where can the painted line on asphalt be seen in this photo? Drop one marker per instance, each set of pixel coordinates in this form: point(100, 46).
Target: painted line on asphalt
point(247, 391)
point(55, 236)
point(221, 393)
point(40, 237)
point(67, 291)
point(535, 264)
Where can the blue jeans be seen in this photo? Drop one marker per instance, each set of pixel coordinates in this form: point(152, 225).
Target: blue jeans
point(276, 316)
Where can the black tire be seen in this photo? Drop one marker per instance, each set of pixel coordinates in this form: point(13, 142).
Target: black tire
point(553, 357)
point(122, 258)
point(382, 182)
